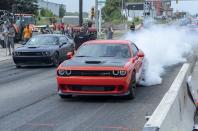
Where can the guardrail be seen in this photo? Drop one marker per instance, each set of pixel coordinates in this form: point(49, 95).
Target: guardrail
point(176, 110)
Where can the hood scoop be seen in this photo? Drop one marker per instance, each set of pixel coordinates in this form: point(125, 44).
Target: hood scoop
point(93, 62)
point(32, 47)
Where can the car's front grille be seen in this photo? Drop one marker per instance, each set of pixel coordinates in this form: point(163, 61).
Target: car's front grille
point(90, 73)
point(91, 88)
point(30, 53)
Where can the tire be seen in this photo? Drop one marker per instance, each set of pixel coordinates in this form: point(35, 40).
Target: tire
point(56, 61)
point(18, 66)
point(132, 87)
point(65, 96)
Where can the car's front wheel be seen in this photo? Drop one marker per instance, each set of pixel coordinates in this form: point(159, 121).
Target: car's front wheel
point(56, 60)
point(18, 66)
point(132, 87)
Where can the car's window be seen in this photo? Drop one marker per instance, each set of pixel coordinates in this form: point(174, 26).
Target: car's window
point(104, 50)
point(63, 40)
point(43, 40)
point(134, 49)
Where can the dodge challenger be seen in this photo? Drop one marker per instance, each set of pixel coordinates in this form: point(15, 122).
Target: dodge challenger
point(42, 50)
point(101, 67)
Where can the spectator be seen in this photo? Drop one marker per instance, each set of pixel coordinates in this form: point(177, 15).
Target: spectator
point(27, 33)
point(1, 36)
point(70, 30)
point(11, 35)
point(80, 38)
point(5, 34)
point(110, 32)
point(66, 29)
point(62, 28)
point(132, 27)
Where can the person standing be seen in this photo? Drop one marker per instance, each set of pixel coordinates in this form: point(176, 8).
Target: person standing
point(66, 30)
point(1, 35)
point(132, 27)
point(110, 32)
point(5, 35)
point(80, 38)
point(27, 33)
point(11, 35)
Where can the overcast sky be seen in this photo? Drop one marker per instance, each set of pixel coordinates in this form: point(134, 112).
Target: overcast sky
point(73, 5)
point(189, 6)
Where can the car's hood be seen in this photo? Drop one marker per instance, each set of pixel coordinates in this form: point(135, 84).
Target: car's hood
point(102, 61)
point(35, 48)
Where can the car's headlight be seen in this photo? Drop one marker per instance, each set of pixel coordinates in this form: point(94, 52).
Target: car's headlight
point(115, 73)
point(123, 72)
point(16, 54)
point(64, 72)
point(46, 53)
point(119, 73)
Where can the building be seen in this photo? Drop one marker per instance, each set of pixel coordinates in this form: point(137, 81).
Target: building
point(135, 9)
point(162, 8)
point(54, 7)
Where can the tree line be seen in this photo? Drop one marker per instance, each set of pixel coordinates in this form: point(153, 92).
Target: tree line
point(28, 6)
point(112, 10)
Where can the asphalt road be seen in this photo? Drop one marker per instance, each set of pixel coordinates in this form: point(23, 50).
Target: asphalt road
point(28, 102)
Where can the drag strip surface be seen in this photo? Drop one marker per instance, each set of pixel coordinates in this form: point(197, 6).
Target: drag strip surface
point(28, 102)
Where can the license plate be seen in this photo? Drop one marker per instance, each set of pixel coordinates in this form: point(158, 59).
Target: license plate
point(92, 88)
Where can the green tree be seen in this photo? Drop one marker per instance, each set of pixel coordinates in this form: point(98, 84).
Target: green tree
point(27, 6)
point(46, 13)
point(112, 10)
point(62, 11)
point(6, 4)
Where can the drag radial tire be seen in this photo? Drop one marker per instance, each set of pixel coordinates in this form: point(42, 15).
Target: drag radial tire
point(56, 60)
point(132, 87)
point(65, 96)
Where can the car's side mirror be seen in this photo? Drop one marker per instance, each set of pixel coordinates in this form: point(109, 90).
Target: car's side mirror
point(70, 55)
point(62, 44)
point(24, 43)
point(140, 54)
point(133, 60)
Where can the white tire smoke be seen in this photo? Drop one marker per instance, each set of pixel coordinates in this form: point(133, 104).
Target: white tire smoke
point(163, 46)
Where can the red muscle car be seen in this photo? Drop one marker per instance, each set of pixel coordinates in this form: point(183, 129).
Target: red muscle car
point(101, 67)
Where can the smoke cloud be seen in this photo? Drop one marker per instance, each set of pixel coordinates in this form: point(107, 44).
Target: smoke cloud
point(163, 46)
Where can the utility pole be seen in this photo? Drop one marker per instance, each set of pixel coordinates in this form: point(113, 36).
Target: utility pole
point(96, 14)
point(80, 12)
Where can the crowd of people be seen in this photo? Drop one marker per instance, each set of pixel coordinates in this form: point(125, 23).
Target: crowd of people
point(7, 34)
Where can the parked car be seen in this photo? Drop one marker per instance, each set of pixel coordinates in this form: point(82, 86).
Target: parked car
point(101, 67)
point(42, 50)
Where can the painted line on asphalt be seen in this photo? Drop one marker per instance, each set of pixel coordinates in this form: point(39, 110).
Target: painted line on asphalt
point(122, 128)
point(41, 124)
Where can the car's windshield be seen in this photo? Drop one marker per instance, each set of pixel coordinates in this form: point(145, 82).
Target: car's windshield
point(43, 40)
point(104, 50)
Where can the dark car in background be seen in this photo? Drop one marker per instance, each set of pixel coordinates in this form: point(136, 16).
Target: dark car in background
point(43, 50)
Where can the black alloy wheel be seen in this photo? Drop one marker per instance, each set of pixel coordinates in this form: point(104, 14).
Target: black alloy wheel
point(56, 60)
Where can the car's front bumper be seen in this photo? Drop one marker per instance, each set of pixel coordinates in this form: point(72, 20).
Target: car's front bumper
point(76, 85)
point(33, 60)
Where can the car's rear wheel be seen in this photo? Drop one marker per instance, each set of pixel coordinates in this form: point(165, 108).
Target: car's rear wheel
point(56, 61)
point(65, 96)
point(132, 87)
